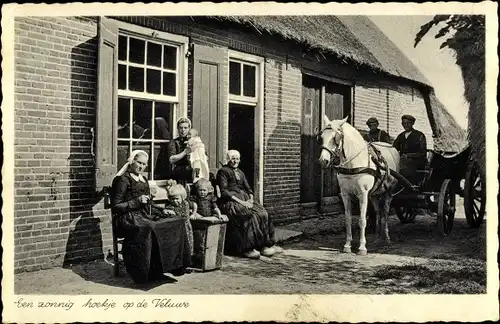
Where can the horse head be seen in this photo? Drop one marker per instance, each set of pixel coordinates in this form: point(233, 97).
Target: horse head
point(331, 139)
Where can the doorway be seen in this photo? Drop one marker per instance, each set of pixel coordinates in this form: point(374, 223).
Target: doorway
point(242, 138)
point(319, 97)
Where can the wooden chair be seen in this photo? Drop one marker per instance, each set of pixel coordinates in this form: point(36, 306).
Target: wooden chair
point(117, 242)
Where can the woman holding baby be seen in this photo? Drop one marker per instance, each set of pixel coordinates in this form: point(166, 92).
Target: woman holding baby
point(178, 152)
point(156, 240)
point(187, 154)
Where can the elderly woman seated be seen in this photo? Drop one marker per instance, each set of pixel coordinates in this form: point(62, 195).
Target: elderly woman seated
point(250, 230)
point(155, 240)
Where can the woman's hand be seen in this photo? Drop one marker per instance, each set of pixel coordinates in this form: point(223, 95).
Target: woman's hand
point(248, 204)
point(143, 199)
point(187, 150)
point(193, 216)
point(222, 217)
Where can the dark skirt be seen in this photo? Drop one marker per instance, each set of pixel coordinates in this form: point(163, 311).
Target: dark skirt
point(248, 229)
point(151, 248)
point(182, 173)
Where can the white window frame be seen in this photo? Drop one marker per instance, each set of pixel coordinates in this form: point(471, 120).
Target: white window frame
point(244, 59)
point(180, 100)
point(257, 102)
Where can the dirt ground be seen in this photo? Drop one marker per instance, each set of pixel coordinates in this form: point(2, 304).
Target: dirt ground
point(417, 261)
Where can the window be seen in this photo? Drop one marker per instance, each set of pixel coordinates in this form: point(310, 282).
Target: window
point(242, 81)
point(150, 79)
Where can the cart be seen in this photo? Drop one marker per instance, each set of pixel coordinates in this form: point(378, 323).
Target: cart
point(445, 176)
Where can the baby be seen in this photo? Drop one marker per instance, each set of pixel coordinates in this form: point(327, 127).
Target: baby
point(179, 206)
point(204, 202)
point(197, 158)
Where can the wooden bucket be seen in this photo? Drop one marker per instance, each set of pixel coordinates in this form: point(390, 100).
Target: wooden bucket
point(209, 235)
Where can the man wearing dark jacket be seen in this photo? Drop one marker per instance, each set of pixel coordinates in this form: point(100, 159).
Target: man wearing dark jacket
point(375, 134)
point(412, 146)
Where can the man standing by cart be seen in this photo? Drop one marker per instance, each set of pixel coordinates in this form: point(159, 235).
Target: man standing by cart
point(412, 146)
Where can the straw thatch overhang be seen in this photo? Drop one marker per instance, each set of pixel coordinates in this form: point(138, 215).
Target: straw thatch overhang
point(351, 39)
point(448, 136)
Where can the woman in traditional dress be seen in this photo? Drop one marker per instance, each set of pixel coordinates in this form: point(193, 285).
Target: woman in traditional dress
point(155, 241)
point(250, 230)
point(179, 151)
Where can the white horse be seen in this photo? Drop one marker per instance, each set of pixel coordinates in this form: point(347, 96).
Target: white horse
point(358, 175)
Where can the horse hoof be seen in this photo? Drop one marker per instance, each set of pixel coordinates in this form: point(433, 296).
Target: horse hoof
point(362, 252)
point(388, 241)
point(346, 249)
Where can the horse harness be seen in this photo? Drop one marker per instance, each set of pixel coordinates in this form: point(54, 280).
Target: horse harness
point(378, 160)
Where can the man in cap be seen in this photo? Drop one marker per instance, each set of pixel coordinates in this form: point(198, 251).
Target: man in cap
point(375, 134)
point(412, 146)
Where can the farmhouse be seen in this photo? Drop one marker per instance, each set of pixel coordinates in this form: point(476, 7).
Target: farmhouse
point(90, 89)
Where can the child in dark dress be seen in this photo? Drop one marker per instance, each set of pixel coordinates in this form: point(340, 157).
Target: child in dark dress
point(179, 206)
point(204, 201)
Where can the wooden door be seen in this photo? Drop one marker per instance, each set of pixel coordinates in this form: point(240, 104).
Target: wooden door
point(334, 109)
point(310, 149)
point(208, 99)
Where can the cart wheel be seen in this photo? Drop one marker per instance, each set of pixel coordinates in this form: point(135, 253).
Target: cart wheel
point(406, 214)
point(474, 195)
point(446, 207)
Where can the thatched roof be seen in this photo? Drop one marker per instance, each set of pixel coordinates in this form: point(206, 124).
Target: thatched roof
point(471, 59)
point(385, 51)
point(450, 137)
point(354, 39)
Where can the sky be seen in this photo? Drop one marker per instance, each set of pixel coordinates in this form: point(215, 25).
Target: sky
point(438, 65)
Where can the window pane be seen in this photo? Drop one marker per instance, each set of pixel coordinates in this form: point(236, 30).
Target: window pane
point(142, 119)
point(123, 153)
point(234, 78)
point(144, 146)
point(154, 54)
point(153, 84)
point(135, 79)
point(162, 166)
point(136, 51)
point(169, 83)
point(122, 48)
point(248, 80)
point(163, 120)
point(169, 57)
point(122, 76)
point(123, 118)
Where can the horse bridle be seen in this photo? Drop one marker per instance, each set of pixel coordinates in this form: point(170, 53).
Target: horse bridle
point(332, 152)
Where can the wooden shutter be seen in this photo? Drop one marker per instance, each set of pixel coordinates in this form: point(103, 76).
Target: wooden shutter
point(107, 101)
point(209, 99)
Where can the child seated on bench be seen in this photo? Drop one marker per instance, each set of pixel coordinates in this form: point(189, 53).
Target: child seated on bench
point(205, 203)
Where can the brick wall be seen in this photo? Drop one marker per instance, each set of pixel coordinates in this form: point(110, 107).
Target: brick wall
point(388, 101)
point(282, 137)
point(57, 219)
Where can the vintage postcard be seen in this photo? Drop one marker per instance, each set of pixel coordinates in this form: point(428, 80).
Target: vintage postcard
point(249, 162)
